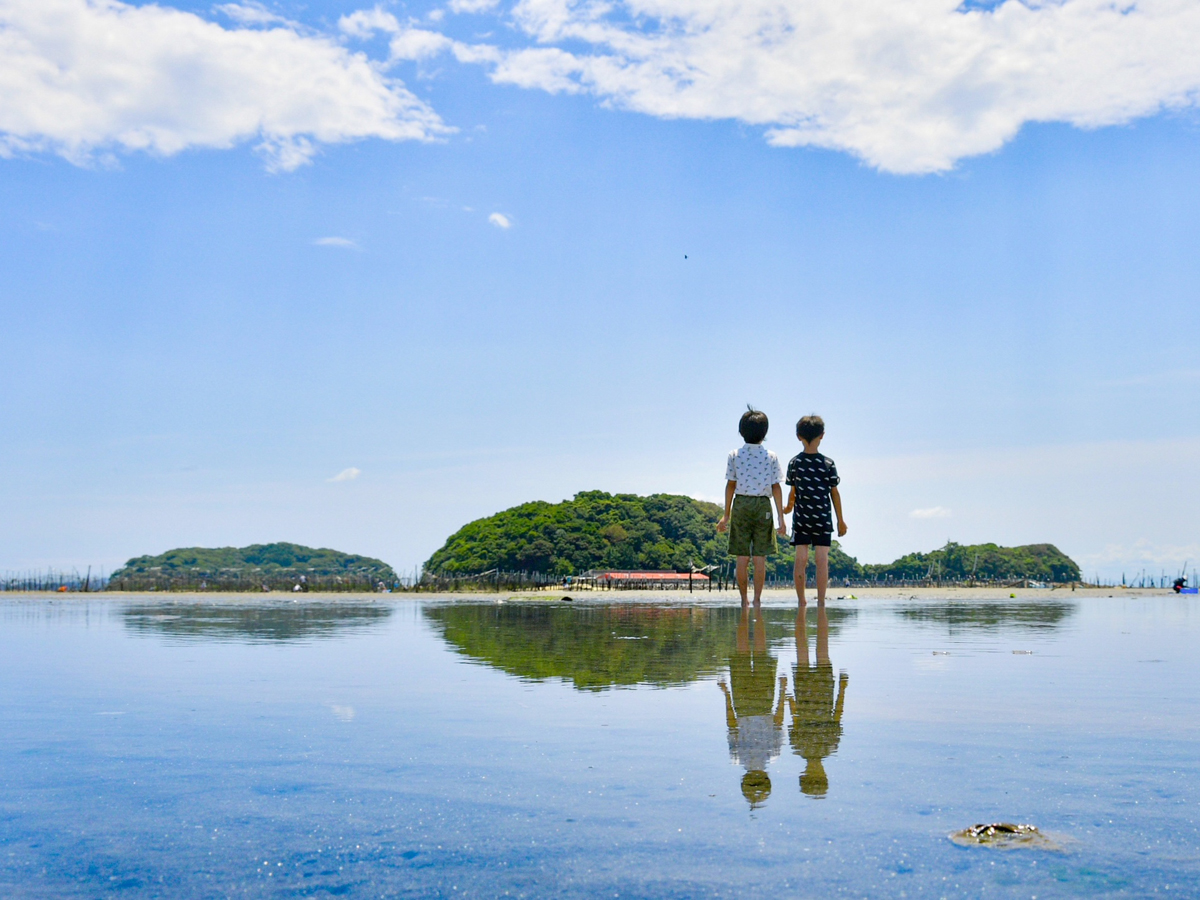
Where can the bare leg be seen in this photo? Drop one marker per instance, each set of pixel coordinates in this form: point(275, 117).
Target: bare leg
point(800, 573)
point(743, 563)
point(760, 578)
point(822, 574)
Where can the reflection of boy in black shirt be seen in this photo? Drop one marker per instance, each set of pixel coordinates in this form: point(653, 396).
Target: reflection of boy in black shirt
point(755, 730)
point(813, 479)
point(816, 727)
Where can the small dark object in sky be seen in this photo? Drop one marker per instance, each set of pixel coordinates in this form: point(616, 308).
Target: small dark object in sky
point(685, 256)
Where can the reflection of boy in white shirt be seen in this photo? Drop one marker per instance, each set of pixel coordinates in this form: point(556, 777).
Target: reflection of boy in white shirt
point(755, 730)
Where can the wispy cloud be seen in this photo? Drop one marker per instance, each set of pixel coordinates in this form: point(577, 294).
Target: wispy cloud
point(344, 243)
point(907, 87)
point(84, 79)
point(1143, 553)
point(347, 474)
point(473, 6)
point(500, 220)
point(933, 512)
point(251, 14)
point(342, 713)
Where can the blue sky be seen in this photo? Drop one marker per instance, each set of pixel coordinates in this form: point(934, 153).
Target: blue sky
point(468, 285)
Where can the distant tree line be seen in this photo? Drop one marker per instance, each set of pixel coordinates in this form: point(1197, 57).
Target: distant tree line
point(597, 531)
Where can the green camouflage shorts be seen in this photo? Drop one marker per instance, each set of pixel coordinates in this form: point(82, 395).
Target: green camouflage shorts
point(751, 529)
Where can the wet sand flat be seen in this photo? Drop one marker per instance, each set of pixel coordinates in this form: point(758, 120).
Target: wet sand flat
point(648, 745)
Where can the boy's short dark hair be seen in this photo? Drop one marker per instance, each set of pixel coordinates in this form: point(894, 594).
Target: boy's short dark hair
point(810, 427)
point(756, 787)
point(753, 426)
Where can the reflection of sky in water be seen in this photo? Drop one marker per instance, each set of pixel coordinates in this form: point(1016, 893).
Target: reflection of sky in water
point(436, 750)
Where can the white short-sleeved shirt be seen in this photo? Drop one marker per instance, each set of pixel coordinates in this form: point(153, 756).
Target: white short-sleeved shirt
point(755, 469)
point(755, 742)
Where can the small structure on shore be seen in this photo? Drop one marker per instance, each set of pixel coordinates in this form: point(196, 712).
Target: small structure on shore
point(635, 580)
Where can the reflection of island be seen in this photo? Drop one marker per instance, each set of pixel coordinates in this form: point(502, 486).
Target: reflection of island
point(1042, 616)
point(253, 623)
point(597, 646)
point(754, 718)
point(592, 646)
point(816, 707)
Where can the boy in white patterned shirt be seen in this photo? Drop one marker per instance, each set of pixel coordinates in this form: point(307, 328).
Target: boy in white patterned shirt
point(752, 477)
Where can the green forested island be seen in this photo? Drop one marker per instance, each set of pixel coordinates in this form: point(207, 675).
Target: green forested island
point(983, 562)
point(274, 565)
point(596, 531)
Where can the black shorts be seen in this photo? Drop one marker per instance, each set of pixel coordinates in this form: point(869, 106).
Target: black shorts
point(799, 539)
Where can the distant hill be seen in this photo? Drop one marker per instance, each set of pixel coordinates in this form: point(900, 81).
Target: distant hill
point(248, 568)
point(597, 531)
point(959, 562)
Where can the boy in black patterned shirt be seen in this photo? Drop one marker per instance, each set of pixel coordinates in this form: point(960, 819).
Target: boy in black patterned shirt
point(813, 479)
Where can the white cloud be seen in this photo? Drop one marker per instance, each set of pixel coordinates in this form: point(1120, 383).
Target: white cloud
point(346, 474)
point(908, 87)
point(500, 220)
point(933, 512)
point(342, 242)
point(472, 6)
point(365, 22)
point(407, 42)
point(250, 14)
point(418, 44)
point(85, 77)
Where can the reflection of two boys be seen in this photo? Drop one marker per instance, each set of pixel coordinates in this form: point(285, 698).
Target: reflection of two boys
point(754, 707)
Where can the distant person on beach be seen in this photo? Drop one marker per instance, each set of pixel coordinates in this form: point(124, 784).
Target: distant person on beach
point(752, 476)
point(813, 480)
point(816, 728)
point(754, 707)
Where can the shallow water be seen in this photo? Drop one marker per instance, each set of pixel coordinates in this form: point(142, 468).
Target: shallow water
point(641, 749)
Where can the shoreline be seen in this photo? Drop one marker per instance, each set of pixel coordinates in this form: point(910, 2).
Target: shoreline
point(673, 597)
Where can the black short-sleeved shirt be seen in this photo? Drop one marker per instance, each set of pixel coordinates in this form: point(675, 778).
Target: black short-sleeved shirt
point(812, 475)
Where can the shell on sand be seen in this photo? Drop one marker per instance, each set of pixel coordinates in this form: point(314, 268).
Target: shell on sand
point(1005, 836)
